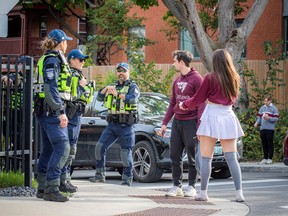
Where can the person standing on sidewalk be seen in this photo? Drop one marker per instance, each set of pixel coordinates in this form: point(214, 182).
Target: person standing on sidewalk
point(121, 100)
point(53, 92)
point(218, 121)
point(82, 93)
point(184, 125)
point(267, 116)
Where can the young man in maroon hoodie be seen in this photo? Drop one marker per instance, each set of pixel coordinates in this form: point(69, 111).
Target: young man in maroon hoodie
point(184, 125)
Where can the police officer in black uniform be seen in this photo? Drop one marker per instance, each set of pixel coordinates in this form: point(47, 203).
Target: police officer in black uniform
point(53, 92)
point(121, 99)
point(82, 92)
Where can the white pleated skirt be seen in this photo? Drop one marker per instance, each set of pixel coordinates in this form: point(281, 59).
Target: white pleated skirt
point(220, 122)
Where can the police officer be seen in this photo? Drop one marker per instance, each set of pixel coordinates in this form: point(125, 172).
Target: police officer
point(121, 99)
point(83, 94)
point(53, 92)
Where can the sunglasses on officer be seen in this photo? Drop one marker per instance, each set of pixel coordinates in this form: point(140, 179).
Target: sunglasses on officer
point(82, 60)
point(121, 70)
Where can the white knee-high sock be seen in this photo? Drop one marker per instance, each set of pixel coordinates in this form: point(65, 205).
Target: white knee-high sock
point(234, 167)
point(205, 172)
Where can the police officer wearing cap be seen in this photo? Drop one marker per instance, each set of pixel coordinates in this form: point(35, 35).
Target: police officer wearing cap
point(83, 94)
point(53, 92)
point(121, 99)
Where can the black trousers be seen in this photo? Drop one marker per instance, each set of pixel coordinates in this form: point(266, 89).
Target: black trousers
point(267, 137)
point(183, 136)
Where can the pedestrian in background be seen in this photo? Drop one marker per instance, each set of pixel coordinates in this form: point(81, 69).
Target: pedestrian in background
point(218, 121)
point(53, 92)
point(267, 117)
point(184, 125)
point(121, 100)
point(82, 92)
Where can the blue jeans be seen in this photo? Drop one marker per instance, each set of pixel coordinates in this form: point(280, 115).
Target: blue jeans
point(125, 137)
point(74, 126)
point(54, 153)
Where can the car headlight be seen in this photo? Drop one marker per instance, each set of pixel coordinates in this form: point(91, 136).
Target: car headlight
point(167, 133)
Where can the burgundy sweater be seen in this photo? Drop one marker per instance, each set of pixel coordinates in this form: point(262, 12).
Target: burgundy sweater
point(211, 90)
point(184, 87)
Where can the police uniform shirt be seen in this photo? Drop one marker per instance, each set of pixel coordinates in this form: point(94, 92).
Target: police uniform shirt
point(51, 71)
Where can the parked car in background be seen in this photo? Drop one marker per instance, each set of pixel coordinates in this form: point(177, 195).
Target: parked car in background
point(285, 149)
point(151, 151)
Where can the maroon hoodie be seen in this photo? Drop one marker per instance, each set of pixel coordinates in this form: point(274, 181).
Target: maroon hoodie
point(184, 87)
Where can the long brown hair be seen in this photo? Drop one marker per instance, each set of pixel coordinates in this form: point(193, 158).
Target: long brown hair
point(226, 73)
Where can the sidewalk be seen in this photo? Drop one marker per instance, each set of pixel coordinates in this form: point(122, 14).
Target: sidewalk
point(110, 199)
point(278, 167)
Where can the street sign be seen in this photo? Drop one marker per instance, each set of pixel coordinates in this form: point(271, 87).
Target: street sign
point(6, 6)
point(3, 25)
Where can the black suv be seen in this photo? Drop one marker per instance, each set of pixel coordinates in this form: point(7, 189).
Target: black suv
point(150, 153)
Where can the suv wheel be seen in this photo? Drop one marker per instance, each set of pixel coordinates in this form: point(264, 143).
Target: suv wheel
point(221, 173)
point(144, 163)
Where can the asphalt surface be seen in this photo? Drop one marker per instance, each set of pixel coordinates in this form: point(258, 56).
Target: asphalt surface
point(111, 199)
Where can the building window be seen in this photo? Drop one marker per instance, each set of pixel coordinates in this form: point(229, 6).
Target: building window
point(139, 32)
point(14, 26)
point(43, 26)
point(186, 43)
point(238, 23)
point(82, 30)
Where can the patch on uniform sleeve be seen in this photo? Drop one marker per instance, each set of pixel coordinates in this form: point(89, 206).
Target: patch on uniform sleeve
point(50, 72)
point(136, 91)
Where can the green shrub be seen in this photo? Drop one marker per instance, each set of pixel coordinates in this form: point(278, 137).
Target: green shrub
point(10, 179)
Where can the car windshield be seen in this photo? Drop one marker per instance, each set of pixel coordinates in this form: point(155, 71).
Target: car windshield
point(152, 105)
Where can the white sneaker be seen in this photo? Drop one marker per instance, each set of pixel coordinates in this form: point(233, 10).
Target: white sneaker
point(239, 196)
point(264, 161)
point(269, 161)
point(190, 191)
point(174, 191)
point(201, 196)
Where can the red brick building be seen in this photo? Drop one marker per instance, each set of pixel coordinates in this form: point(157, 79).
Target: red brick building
point(27, 26)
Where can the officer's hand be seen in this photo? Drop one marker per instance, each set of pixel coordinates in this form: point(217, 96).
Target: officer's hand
point(112, 91)
point(83, 82)
point(63, 120)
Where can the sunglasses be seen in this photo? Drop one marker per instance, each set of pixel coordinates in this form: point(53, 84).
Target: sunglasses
point(82, 60)
point(121, 70)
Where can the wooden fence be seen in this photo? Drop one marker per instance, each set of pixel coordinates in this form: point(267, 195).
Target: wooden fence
point(258, 66)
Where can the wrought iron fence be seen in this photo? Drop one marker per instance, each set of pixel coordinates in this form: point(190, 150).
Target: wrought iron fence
point(17, 151)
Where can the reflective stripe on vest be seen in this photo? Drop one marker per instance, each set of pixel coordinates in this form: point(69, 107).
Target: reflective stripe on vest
point(64, 80)
point(116, 105)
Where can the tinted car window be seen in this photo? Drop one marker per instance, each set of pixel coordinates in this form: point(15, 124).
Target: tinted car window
point(152, 105)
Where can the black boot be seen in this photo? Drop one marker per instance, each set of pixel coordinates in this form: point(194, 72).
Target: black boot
point(55, 196)
point(65, 187)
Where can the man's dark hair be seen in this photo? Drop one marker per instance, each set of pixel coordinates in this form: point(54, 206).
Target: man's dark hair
point(183, 55)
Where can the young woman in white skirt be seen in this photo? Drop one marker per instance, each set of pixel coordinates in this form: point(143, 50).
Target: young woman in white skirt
point(221, 88)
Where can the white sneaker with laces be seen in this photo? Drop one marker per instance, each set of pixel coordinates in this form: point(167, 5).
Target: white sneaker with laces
point(190, 191)
point(201, 196)
point(269, 161)
point(175, 191)
point(264, 161)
